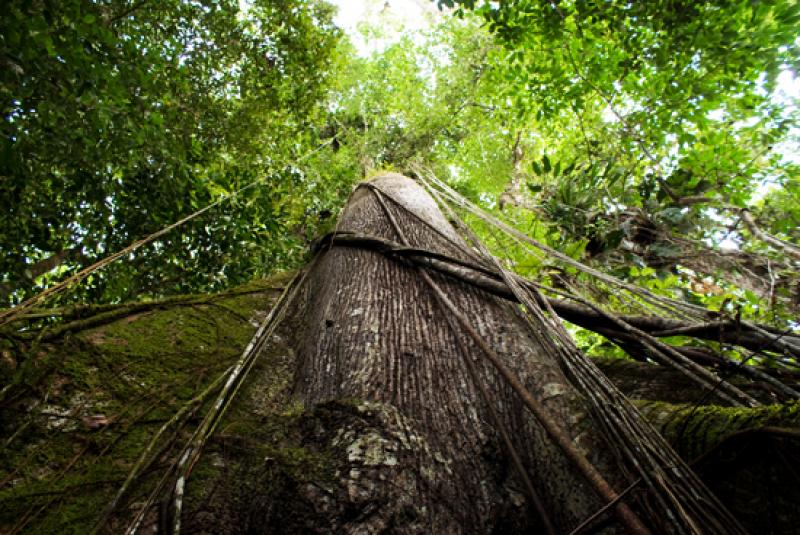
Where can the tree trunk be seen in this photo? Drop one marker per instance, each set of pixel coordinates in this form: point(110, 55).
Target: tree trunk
point(429, 458)
point(277, 467)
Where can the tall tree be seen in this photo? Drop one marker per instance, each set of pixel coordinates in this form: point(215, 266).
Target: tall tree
point(426, 402)
point(630, 138)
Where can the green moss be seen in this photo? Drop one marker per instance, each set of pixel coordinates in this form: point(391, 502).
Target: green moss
point(132, 374)
point(693, 430)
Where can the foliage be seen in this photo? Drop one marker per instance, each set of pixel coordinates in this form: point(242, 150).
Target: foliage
point(625, 135)
point(121, 117)
point(646, 126)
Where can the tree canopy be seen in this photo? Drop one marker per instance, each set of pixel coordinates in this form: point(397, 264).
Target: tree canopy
point(121, 117)
point(655, 141)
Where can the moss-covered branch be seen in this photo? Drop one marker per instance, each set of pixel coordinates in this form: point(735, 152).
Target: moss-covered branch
point(696, 429)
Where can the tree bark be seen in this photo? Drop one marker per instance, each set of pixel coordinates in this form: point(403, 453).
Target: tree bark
point(372, 331)
point(341, 466)
point(722, 330)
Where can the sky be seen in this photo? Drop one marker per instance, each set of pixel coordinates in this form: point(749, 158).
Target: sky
point(402, 16)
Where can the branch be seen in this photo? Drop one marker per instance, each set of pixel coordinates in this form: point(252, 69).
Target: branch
point(124, 13)
point(692, 200)
point(43, 266)
point(704, 357)
point(788, 248)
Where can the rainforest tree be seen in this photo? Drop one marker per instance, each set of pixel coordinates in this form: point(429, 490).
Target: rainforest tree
point(617, 134)
point(624, 175)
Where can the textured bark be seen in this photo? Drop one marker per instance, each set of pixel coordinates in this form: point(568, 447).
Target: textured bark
point(722, 330)
point(373, 331)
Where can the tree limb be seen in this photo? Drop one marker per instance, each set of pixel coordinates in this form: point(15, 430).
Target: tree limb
point(788, 248)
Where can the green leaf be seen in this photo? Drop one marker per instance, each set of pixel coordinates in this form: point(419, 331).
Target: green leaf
point(534, 188)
